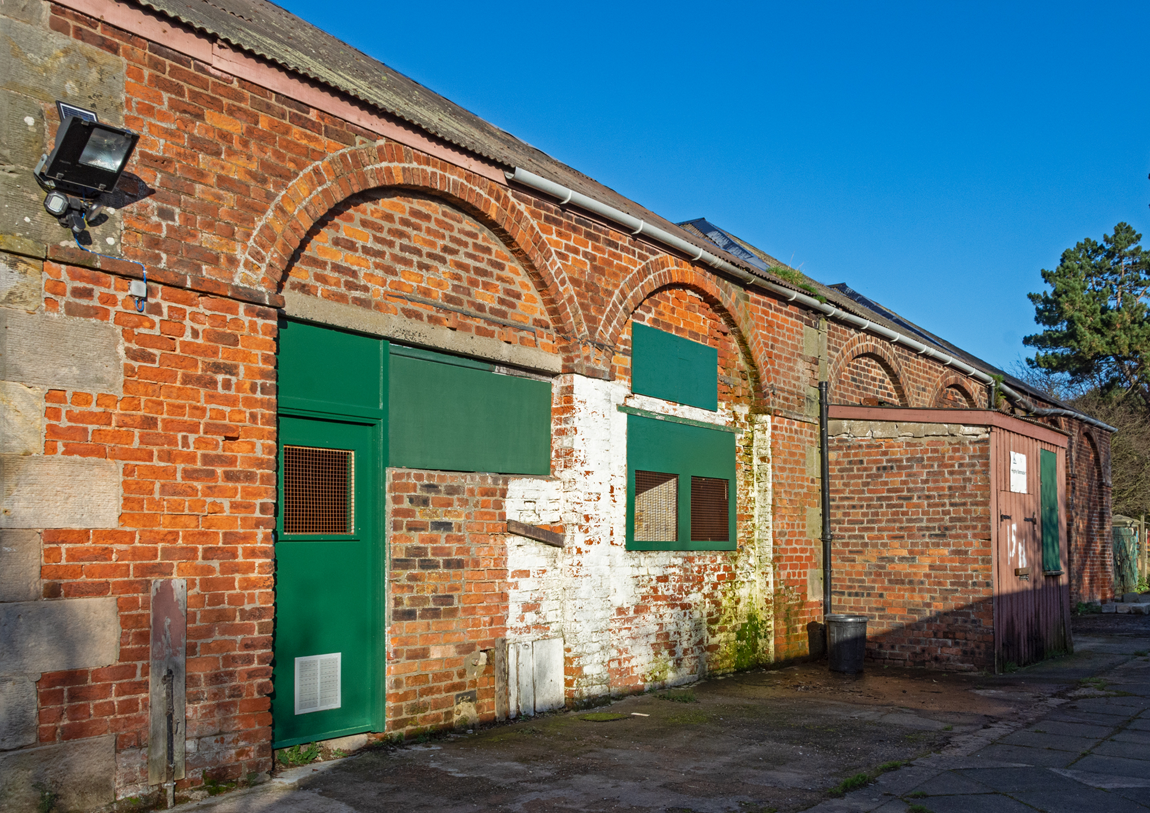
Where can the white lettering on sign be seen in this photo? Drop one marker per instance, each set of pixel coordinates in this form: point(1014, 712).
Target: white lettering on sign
point(1018, 472)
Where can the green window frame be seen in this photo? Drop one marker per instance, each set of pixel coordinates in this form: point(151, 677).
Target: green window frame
point(1051, 553)
point(687, 468)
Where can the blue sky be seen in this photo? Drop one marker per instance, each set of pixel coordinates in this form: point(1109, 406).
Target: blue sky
point(934, 155)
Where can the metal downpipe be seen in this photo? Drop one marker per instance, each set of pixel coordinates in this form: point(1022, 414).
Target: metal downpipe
point(825, 478)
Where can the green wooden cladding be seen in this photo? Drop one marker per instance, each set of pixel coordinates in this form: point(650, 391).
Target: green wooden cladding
point(686, 451)
point(674, 369)
point(1051, 555)
point(442, 412)
point(331, 370)
point(458, 418)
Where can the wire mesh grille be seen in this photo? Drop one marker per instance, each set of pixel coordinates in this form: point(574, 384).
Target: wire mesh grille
point(319, 485)
point(656, 506)
point(709, 515)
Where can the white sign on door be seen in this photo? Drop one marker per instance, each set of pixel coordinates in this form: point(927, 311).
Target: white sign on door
point(1018, 472)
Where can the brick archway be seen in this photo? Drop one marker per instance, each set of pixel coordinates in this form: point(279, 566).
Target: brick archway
point(662, 272)
point(319, 188)
point(865, 345)
point(955, 381)
point(1091, 553)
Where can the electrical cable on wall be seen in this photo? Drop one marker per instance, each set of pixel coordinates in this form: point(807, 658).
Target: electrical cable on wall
point(137, 292)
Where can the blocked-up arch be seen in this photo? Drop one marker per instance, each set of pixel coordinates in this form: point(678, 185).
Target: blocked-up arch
point(952, 382)
point(323, 185)
point(862, 346)
point(664, 272)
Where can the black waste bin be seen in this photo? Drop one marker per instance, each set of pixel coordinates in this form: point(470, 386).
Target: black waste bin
point(846, 642)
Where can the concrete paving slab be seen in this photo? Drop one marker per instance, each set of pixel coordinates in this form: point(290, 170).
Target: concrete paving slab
point(1011, 780)
point(1073, 714)
point(1114, 705)
point(1078, 800)
point(983, 803)
point(1139, 724)
point(1059, 728)
point(1125, 750)
point(1135, 738)
point(270, 798)
point(1107, 781)
point(951, 784)
point(1138, 795)
point(1115, 766)
point(903, 780)
point(1029, 756)
point(1056, 742)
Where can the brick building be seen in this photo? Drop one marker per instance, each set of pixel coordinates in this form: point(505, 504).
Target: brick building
point(417, 427)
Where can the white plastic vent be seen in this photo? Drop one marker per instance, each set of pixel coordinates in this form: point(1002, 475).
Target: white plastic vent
point(317, 683)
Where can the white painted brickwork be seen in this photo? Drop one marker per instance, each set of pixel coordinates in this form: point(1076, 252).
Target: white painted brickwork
point(631, 617)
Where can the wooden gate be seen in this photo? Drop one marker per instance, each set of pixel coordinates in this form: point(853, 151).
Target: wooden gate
point(1031, 580)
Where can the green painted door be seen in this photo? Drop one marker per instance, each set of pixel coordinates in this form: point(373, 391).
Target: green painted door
point(328, 664)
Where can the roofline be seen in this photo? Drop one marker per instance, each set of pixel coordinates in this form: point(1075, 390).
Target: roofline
point(696, 254)
point(237, 59)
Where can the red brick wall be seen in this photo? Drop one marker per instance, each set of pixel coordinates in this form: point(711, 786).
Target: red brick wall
point(865, 368)
point(194, 431)
point(1091, 546)
point(953, 398)
point(864, 381)
point(911, 520)
point(393, 252)
point(797, 548)
point(447, 588)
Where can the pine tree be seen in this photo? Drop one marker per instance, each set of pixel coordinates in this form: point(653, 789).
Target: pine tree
point(1097, 331)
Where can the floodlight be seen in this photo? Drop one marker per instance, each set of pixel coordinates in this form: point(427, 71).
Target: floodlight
point(89, 156)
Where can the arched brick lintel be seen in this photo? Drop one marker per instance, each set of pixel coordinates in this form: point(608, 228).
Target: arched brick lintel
point(864, 345)
point(958, 382)
point(385, 165)
point(663, 272)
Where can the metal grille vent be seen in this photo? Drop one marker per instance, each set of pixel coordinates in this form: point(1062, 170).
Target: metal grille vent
point(317, 683)
point(709, 514)
point(656, 506)
point(319, 485)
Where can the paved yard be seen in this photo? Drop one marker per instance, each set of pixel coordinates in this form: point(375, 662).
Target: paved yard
point(1067, 735)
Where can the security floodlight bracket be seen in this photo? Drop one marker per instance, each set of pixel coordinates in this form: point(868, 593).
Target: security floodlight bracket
point(88, 157)
point(86, 162)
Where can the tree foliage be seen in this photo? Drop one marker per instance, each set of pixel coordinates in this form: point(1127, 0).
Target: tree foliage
point(1129, 447)
point(1095, 316)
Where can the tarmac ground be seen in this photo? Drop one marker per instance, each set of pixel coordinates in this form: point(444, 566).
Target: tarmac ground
point(1069, 735)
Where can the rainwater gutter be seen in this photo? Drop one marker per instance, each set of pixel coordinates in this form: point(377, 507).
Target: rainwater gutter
point(639, 227)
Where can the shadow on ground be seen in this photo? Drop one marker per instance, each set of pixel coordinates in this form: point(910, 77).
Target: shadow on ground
point(758, 741)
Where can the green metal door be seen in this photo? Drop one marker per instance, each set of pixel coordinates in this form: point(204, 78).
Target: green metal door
point(328, 663)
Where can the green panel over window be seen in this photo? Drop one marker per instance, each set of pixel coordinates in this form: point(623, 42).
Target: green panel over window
point(674, 369)
point(1051, 556)
point(674, 462)
point(324, 369)
point(459, 418)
